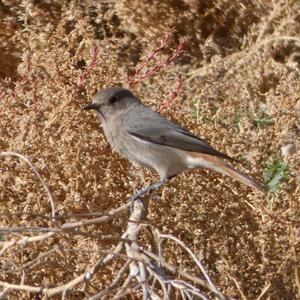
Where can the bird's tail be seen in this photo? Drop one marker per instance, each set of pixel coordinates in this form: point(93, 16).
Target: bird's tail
point(213, 163)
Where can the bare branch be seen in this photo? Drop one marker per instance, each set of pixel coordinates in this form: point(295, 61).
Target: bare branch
point(104, 218)
point(143, 265)
point(167, 236)
point(114, 283)
point(36, 172)
point(21, 287)
point(24, 240)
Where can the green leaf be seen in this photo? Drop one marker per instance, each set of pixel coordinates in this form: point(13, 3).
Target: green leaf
point(263, 122)
point(238, 115)
point(274, 173)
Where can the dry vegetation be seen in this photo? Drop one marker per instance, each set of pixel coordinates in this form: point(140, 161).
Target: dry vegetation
point(241, 65)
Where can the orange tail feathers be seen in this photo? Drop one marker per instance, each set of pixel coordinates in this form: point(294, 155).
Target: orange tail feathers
point(216, 164)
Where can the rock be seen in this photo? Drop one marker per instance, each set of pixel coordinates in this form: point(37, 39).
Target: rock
point(288, 150)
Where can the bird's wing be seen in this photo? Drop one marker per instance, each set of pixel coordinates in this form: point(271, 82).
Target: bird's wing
point(145, 124)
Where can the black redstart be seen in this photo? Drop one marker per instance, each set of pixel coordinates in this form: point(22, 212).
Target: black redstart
point(145, 137)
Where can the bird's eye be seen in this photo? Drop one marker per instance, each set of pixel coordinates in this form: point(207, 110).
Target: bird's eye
point(113, 99)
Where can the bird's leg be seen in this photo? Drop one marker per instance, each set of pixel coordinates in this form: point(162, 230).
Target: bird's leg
point(152, 187)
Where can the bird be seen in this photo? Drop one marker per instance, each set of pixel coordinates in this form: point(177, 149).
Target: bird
point(146, 138)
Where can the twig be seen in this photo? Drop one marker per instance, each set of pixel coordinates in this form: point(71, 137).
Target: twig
point(143, 265)
point(34, 89)
point(104, 261)
point(154, 70)
point(238, 286)
point(173, 95)
point(151, 56)
point(276, 219)
point(133, 228)
point(167, 236)
point(161, 282)
point(3, 294)
point(144, 280)
point(82, 79)
point(181, 273)
point(25, 240)
point(21, 287)
point(111, 215)
point(26, 75)
point(125, 285)
point(128, 290)
point(78, 86)
point(114, 283)
point(31, 264)
point(27, 160)
point(264, 291)
point(187, 288)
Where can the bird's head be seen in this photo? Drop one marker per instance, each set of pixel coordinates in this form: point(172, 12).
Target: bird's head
point(110, 101)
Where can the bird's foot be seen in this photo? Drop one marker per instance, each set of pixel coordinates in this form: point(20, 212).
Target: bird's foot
point(149, 189)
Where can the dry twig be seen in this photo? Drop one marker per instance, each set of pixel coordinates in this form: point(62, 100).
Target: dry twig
point(36, 172)
point(143, 267)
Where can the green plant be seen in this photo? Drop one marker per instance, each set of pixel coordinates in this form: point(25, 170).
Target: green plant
point(195, 111)
point(266, 121)
point(274, 173)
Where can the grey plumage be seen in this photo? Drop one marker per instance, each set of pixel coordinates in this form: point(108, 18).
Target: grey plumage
point(158, 130)
point(146, 138)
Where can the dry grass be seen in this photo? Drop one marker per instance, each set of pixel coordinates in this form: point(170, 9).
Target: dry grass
point(241, 63)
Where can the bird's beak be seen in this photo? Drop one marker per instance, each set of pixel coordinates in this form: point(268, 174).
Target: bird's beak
point(94, 106)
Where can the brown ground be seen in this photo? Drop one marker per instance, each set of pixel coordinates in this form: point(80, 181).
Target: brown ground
point(241, 64)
